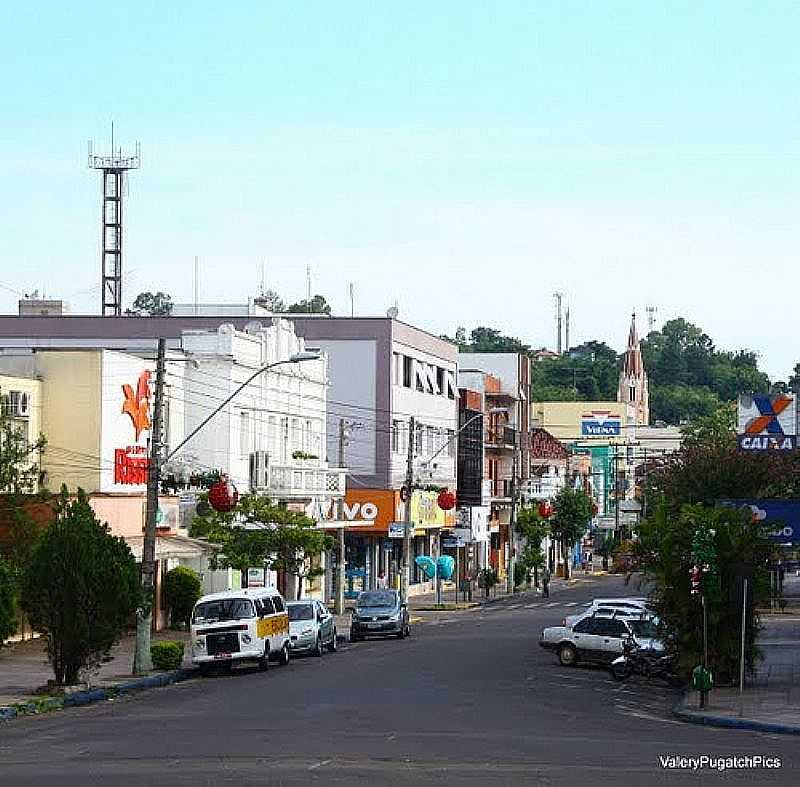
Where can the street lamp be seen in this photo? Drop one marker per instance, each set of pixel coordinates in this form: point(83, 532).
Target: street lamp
point(299, 357)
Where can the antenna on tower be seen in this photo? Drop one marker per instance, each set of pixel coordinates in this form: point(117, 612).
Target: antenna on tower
point(114, 167)
point(559, 296)
point(651, 317)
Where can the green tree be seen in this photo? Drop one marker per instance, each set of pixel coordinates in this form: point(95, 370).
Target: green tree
point(150, 304)
point(490, 340)
point(677, 404)
point(317, 305)
point(272, 301)
point(533, 529)
point(182, 588)
point(572, 512)
point(731, 545)
point(714, 430)
point(259, 533)
point(19, 469)
point(80, 589)
point(8, 606)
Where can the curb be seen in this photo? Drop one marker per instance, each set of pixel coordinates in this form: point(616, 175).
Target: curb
point(81, 698)
point(684, 714)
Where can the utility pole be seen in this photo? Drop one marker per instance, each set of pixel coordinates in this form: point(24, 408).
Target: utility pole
point(340, 563)
point(405, 576)
point(142, 661)
point(616, 491)
point(559, 296)
point(512, 519)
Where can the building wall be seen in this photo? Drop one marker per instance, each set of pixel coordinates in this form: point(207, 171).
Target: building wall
point(30, 425)
point(563, 419)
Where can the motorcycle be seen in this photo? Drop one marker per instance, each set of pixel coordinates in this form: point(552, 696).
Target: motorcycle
point(636, 661)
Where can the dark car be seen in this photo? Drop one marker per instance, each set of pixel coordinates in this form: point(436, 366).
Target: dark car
point(379, 613)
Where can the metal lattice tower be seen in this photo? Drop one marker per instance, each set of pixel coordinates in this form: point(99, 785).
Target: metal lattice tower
point(114, 168)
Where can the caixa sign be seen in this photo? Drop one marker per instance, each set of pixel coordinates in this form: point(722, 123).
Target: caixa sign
point(601, 423)
point(765, 442)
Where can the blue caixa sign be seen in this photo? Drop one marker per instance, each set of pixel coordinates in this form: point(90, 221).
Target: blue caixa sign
point(601, 423)
point(783, 514)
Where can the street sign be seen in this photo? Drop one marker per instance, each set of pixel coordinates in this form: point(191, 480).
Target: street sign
point(396, 529)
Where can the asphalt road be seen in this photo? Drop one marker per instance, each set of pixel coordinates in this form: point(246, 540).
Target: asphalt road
point(470, 698)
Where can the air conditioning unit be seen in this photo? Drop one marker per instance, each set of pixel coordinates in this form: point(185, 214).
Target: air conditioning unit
point(19, 404)
point(259, 470)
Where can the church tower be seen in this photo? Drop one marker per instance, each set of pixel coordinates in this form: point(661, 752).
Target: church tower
point(634, 388)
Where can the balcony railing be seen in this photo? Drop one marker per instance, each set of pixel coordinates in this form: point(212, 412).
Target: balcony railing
point(501, 487)
point(541, 488)
point(291, 481)
point(501, 437)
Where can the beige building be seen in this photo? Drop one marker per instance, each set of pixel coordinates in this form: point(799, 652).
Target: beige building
point(599, 422)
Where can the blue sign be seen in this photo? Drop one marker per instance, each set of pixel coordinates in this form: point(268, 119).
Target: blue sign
point(766, 442)
point(783, 514)
point(601, 423)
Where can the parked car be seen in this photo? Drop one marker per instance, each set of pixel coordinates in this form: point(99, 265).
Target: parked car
point(311, 627)
point(636, 606)
point(379, 613)
point(240, 625)
point(599, 638)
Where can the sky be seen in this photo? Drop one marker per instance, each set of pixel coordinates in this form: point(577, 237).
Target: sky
point(464, 160)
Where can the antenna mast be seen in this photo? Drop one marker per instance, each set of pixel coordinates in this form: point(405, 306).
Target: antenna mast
point(651, 317)
point(559, 296)
point(114, 167)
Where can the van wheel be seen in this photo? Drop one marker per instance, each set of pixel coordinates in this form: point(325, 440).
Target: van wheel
point(567, 655)
point(332, 646)
point(318, 649)
point(283, 658)
point(263, 662)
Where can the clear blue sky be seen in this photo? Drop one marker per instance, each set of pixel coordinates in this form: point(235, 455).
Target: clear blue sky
point(465, 159)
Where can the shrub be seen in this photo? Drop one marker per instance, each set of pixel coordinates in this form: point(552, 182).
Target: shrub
point(8, 622)
point(167, 654)
point(182, 588)
point(520, 574)
point(80, 588)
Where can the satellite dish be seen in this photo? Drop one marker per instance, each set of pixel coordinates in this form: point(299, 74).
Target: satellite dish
point(393, 312)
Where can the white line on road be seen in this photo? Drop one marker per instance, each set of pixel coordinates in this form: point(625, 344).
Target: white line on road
point(514, 606)
point(532, 606)
point(571, 604)
point(552, 604)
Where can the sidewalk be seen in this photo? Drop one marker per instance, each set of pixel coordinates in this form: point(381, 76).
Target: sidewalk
point(24, 667)
point(771, 698)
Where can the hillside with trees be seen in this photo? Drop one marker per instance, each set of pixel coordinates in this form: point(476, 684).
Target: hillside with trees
point(689, 377)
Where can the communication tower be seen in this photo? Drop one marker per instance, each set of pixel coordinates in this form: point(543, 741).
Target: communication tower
point(114, 167)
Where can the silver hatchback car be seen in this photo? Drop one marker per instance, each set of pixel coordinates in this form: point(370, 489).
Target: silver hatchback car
point(311, 627)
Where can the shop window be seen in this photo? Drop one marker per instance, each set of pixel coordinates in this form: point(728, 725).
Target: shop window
point(408, 368)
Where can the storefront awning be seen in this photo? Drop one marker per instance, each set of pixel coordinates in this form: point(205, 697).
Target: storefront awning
point(171, 547)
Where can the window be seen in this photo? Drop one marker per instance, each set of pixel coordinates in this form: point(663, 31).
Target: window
point(301, 612)
point(585, 626)
point(440, 385)
point(267, 605)
point(397, 368)
point(244, 433)
point(451, 443)
point(308, 437)
point(608, 627)
point(222, 610)
point(396, 426)
point(432, 435)
point(419, 374)
point(418, 441)
point(407, 371)
point(279, 606)
point(633, 393)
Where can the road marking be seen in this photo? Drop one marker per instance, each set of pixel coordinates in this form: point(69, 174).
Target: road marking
point(532, 606)
point(571, 604)
point(514, 606)
point(552, 604)
point(319, 764)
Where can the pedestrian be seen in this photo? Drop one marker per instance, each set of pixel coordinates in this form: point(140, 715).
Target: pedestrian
point(545, 582)
point(382, 581)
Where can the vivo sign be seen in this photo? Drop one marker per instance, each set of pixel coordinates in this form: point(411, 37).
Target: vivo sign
point(601, 423)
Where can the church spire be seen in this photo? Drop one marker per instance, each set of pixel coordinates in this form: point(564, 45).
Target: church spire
point(633, 383)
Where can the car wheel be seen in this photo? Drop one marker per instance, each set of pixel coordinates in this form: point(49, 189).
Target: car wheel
point(333, 645)
point(263, 662)
point(283, 659)
point(318, 649)
point(567, 655)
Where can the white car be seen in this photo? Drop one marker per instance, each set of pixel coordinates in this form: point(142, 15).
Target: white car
point(312, 628)
point(634, 606)
point(599, 639)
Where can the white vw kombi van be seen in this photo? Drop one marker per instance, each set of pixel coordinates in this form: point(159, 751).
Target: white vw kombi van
point(240, 625)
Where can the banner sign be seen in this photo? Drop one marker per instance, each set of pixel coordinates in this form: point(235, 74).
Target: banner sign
point(767, 423)
point(784, 514)
point(601, 423)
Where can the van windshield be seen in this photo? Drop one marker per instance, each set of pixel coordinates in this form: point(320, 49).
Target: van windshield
point(223, 609)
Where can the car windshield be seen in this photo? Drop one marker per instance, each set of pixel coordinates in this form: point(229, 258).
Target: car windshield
point(643, 628)
point(301, 612)
point(377, 599)
point(223, 609)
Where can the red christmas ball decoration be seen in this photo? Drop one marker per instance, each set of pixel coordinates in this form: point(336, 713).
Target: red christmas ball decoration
point(223, 496)
point(595, 508)
point(545, 509)
point(446, 500)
